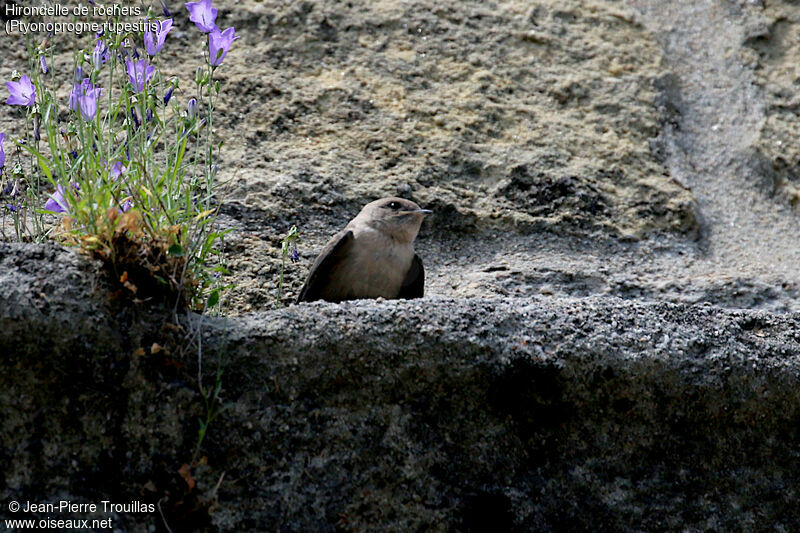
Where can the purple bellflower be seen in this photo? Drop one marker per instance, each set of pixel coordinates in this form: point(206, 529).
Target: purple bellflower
point(218, 45)
point(22, 92)
point(12, 191)
point(57, 203)
point(139, 73)
point(191, 108)
point(74, 95)
point(203, 14)
point(43, 64)
point(78, 90)
point(164, 9)
point(116, 170)
point(88, 103)
point(2, 152)
point(100, 54)
point(155, 42)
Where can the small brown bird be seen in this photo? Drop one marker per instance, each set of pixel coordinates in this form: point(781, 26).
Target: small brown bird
point(372, 257)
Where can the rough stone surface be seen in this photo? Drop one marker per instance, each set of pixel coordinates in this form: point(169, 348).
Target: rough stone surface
point(498, 116)
point(521, 413)
point(773, 46)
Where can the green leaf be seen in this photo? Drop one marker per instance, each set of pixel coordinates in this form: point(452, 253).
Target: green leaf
point(213, 298)
point(45, 168)
point(42, 161)
point(176, 250)
point(181, 152)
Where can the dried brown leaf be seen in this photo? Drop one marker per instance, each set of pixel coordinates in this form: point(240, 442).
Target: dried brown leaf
point(186, 473)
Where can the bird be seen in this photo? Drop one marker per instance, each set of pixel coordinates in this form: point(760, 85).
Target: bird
point(372, 257)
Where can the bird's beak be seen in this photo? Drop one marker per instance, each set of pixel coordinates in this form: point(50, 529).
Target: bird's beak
point(422, 212)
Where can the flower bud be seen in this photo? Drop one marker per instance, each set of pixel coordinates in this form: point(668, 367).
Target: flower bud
point(168, 95)
point(191, 108)
point(99, 54)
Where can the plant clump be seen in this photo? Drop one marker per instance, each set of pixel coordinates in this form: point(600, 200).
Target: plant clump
point(125, 167)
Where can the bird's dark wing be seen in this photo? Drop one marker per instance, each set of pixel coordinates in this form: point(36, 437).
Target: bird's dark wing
point(321, 270)
point(414, 284)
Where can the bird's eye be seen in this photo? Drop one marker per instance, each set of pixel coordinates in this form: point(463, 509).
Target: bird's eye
point(393, 205)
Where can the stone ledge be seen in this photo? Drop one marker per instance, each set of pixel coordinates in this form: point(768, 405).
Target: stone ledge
point(522, 414)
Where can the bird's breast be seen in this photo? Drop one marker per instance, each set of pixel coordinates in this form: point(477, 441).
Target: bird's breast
point(375, 266)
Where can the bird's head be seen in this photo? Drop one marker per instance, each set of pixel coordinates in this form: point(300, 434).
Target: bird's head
point(398, 218)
